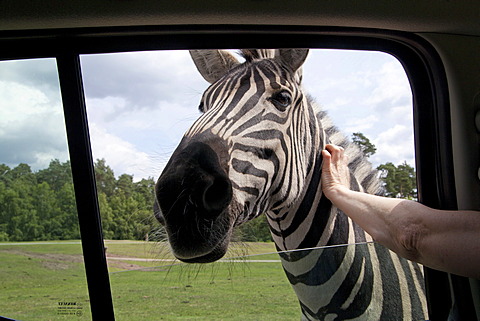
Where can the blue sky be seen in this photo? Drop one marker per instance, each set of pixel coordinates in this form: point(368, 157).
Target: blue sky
point(140, 104)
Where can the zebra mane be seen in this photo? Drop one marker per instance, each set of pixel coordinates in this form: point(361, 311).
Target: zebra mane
point(255, 54)
point(251, 55)
point(359, 165)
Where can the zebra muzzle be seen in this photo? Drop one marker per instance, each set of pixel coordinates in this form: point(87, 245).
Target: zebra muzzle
point(193, 194)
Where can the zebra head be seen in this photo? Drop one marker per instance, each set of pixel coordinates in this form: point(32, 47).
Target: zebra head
point(250, 152)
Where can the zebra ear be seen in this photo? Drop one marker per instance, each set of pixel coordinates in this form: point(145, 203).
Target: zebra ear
point(292, 58)
point(213, 64)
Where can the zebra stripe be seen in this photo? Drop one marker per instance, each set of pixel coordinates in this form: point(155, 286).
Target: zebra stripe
point(275, 168)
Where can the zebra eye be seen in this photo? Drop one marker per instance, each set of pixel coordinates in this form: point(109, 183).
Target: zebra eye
point(281, 100)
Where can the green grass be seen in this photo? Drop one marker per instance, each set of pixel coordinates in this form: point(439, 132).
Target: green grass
point(35, 278)
point(258, 291)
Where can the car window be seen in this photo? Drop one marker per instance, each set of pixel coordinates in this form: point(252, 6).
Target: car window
point(42, 271)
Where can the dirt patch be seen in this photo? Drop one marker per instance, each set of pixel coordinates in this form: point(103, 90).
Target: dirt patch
point(55, 265)
point(117, 264)
point(52, 261)
point(56, 261)
point(117, 255)
point(121, 264)
point(124, 265)
point(51, 256)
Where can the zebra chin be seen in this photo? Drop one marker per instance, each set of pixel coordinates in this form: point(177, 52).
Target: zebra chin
point(209, 255)
point(201, 239)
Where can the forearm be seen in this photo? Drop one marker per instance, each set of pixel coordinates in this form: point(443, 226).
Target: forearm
point(372, 213)
point(443, 240)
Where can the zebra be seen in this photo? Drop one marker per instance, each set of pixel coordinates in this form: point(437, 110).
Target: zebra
point(256, 149)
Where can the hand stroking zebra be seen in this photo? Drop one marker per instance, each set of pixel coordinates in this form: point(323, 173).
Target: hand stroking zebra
point(256, 149)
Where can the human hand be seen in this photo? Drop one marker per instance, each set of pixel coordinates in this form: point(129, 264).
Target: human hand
point(335, 173)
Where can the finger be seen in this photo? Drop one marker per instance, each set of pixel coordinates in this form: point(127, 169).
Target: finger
point(337, 154)
point(326, 160)
point(333, 147)
point(329, 147)
point(326, 152)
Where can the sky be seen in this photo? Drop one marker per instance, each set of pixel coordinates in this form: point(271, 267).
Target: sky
point(140, 104)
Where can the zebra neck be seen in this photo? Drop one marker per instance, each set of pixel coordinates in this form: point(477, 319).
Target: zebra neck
point(310, 221)
point(326, 280)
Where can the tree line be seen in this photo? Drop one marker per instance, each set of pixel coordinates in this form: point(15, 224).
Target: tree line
point(36, 206)
point(40, 206)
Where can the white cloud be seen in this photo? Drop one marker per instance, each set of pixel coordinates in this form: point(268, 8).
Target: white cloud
point(40, 74)
point(121, 155)
point(20, 102)
point(394, 145)
point(31, 126)
point(391, 86)
point(143, 138)
point(338, 104)
point(142, 79)
point(355, 125)
point(368, 93)
point(145, 100)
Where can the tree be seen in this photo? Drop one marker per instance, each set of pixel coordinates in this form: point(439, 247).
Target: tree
point(146, 188)
point(20, 214)
point(125, 210)
point(4, 169)
point(400, 181)
point(125, 184)
point(56, 175)
point(104, 177)
point(22, 172)
point(48, 212)
point(364, 143)
point(106, 213)
point(68, 209)
point(256, 230)
point(4, 235)
point(30, 209)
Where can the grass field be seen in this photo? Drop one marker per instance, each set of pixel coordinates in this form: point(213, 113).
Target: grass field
point(46, 281)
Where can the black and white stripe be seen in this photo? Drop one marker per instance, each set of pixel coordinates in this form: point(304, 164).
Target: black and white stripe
point(274, 164)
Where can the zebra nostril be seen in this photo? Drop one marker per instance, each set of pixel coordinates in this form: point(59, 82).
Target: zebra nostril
point(217, 195)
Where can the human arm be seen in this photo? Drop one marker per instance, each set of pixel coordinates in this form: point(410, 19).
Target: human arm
point(443, 240)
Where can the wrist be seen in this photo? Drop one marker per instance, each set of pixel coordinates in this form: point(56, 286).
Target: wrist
point(337, 194)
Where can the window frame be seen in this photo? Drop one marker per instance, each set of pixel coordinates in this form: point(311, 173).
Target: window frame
point(424, 68)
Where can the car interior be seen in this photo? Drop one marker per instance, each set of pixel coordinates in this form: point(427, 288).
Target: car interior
point(437, 42)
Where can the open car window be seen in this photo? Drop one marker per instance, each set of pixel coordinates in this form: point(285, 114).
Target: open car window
point(42, 270)
point(140, 104)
